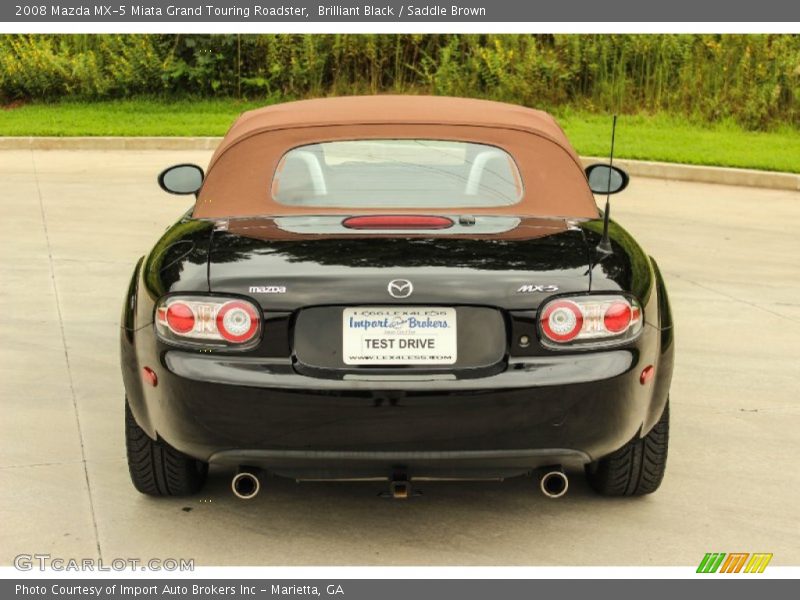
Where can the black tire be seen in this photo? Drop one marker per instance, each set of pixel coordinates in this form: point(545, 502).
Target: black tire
point(156, 468)
point(635, 469)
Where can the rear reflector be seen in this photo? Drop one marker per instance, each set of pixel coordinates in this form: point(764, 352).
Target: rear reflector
point(149, 376)
point(397, 222)
point(647, 374)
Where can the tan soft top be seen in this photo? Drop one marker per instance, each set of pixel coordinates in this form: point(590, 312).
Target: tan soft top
point(365, 110)
point(241, 169)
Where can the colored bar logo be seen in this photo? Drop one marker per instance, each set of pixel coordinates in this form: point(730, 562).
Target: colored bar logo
point(734, 562)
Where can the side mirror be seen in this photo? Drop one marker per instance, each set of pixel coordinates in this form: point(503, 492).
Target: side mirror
point(181, 179)
point(606, 179)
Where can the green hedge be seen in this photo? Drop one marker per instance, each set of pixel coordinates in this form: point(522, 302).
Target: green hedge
point(752, 79)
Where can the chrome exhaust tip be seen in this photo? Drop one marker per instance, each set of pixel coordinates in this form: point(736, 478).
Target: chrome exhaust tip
point(553, 482)
point(246, 485)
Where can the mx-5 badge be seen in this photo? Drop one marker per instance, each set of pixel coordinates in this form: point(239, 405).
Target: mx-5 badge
point(531, 288)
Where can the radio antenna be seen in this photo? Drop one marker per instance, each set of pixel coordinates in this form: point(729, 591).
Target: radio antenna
point(604, 247)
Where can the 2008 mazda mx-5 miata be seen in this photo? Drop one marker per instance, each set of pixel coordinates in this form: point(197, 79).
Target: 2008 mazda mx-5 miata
point(399, 288)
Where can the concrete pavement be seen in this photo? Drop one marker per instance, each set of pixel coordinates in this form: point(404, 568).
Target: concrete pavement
point(75, 223)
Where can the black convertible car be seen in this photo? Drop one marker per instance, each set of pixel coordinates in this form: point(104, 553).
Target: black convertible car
point(397, 288)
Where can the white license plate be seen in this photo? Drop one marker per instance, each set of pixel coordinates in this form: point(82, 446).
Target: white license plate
point(391, 335)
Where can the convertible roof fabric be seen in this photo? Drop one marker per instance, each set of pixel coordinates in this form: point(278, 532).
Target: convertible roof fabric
point(362, 110)
point(238, 182)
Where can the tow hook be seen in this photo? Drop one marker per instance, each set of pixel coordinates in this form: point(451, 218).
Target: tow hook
point(400, 488)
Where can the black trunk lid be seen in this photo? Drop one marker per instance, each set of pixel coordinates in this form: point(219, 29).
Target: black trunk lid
point(286, 268)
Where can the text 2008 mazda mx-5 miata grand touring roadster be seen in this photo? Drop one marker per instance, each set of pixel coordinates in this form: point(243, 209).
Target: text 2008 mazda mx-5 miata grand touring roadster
point(399, 288)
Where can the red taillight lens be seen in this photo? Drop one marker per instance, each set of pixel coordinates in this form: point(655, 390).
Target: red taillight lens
point(562, 321)
point(595, 320)
point(208, 321)
point(397, 222)
point(180, 317)
point(617, 317)
point(237, 321)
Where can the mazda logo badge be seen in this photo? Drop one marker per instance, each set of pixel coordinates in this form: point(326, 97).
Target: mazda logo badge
point(400, 288)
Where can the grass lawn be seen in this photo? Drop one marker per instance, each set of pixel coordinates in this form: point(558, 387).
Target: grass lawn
point(646, 137)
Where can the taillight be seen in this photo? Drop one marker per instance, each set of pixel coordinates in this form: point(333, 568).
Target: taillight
point(562, 320)
point(180, 317)
point(237, 321)
point(617, 316)
point(208, 321)
point(585, 321)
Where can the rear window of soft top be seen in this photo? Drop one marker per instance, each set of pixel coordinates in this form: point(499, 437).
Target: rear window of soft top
point(397, 173)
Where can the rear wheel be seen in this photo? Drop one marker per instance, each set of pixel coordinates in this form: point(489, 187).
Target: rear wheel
point(635, 469)
point(158, 469)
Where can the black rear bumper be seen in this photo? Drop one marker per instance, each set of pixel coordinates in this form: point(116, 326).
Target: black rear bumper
point(261, 412)
point(462, 464)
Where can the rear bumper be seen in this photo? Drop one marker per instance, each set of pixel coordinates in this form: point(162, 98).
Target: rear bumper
point(462, 464)
point(260, 412)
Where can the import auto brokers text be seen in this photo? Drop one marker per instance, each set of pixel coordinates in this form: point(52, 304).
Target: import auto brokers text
point(134, 591)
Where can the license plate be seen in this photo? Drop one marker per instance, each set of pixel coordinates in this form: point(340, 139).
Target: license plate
point(390, 335)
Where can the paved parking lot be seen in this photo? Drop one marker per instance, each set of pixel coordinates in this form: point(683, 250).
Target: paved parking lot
point(74, 225)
